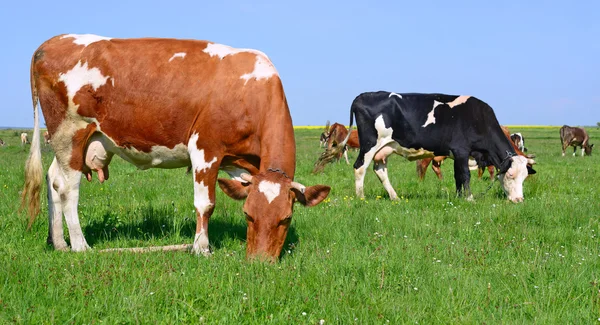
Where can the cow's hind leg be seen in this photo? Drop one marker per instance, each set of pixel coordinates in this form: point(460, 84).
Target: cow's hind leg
point(66, 185)
point(380, 168)
point(55, 181)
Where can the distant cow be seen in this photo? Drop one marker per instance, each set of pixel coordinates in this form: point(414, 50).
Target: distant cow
point(166, 103)
point(426, 125)
point(478, 162)
point(519, 141)
point(324, 136)
point(24, 139)
point(576, 137)
point(2, 142)
point(337, 134)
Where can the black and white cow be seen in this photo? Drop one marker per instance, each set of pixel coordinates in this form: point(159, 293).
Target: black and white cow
point(426, 125)
point(519, 141)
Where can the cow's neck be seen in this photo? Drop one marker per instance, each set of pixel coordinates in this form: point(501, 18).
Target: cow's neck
point(278, 147)
point(501, 152)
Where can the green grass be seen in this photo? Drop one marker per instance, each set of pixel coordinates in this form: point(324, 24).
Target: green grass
point(431, 258)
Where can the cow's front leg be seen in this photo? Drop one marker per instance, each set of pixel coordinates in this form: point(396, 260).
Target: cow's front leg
point(205, 168)
point(462, 176)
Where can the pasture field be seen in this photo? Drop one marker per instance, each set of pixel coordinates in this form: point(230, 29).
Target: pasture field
point(430, 258)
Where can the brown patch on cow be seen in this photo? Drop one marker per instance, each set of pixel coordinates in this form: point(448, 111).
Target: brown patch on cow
point(80, 140)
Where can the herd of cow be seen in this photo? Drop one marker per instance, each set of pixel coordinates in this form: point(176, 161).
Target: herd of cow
point(167, 103)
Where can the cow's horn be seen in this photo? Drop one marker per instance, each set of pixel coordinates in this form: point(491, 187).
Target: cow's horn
point(299, 187)
point(246, 177)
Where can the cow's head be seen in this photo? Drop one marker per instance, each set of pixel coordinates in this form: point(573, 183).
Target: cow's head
point(588, 149)
point(512, 180)
point(269, 204)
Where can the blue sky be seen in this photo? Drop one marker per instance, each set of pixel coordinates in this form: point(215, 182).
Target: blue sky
point(535, 62)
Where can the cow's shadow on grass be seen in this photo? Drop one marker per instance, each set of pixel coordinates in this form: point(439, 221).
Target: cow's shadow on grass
point(161, 222)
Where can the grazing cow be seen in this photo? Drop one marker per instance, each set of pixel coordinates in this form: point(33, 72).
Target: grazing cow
point(46, 138)
point(477, 163)
point(426, 125)
point(519, 141)
point(166, 103)
point(2, 143)
point(576, 137)
point(24, 139)
point(337, 134)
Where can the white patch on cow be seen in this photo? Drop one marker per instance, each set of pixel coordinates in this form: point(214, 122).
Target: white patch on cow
point(458, 100)
point(222, 51)
point(263, 69)
point(269, 189)
point(80, 76)
point(394, 94)
point(201, 199)
point(86, 39)
point(177, 55)
point(197, 155)
point(430, 116)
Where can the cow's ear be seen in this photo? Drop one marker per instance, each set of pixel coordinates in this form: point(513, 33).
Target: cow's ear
point(530, 170)
point(234, 189)
point(312, 195)
point(591, 146)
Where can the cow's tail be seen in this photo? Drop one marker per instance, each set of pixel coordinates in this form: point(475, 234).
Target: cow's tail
point(30, 198)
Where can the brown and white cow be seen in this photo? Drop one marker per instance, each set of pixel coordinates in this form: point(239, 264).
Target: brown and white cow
point(24, 139)
point(576, 137)
point(337, 134)
point(166, 103)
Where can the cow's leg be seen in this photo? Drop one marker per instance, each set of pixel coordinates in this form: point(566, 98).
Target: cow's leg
point(462, 176)
point(54, 182)
point(68, 192)
point(582, 151)
point(564, 147)
point(422, 167)
point(346, 156)
point(574, 151)
point(491, 170)
point(380, 168)
point(436, 167)
point(205, 168)
point(360, 169)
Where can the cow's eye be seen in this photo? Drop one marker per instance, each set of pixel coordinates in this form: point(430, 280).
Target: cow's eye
point(286, 220)
point(248, 217)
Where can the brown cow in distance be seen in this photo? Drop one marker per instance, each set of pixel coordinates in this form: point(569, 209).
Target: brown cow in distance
point(480, 165)
point(337, 134)
point(166, 103)
point(576, 137)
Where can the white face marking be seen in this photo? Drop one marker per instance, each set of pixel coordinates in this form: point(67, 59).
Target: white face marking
point(81, 76)
point(269, 189)
point(86, 39)
point(177, 55)
point(197, 155)
point(512, 180)
point(458, 100)
point(394, 94)
point(263, 68)
point(430, 116)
